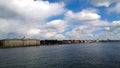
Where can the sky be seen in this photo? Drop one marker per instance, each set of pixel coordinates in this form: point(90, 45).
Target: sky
point(60, 19)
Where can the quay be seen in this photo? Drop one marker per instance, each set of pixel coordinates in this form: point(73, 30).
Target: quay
point(6, 43)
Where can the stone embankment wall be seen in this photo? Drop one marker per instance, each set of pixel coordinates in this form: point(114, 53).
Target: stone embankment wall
point(19, 42)
point(35, 42)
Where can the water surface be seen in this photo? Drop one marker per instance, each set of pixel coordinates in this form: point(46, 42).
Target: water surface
point(89, 55)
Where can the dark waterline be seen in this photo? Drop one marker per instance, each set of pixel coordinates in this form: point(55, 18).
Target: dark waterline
point(90, 55)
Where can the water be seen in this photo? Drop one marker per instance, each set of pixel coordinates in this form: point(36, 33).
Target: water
point(90, 55)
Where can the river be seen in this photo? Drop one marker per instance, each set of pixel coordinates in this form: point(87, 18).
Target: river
point(86, 55)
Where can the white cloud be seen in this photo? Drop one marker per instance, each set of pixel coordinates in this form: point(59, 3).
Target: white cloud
point(81, 32)
point(31, 9)
point(107, 28)
point(104, 29)
point(116, 8)
point(14, 26)
point(115, 23)
point(19, 29)
point(88, 22)
point(98, 23)
point(86, 31)
point(48, 34)
point(34, 31)
point(84, 15)
point(112, 31)
point(105, 3)
point(98, 3)
point(57, 25)
point(54, 35)
point(28, 18)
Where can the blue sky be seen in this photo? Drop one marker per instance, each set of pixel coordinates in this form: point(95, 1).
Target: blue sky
point(60, 19)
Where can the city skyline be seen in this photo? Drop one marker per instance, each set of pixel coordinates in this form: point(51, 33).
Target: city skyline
point(60, 19)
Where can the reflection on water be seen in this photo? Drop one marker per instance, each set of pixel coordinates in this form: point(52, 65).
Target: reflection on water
point(91, 55)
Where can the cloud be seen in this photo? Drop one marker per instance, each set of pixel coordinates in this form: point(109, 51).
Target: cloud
point(105, 3)
point(57, 25)
point(112, 31)
point(34, 31)
point(96, 30)
point(115, 23)
point(85, 24)
point(98, 23)
point(20, 18)
point(48, 34)
point(14, 26)
point(9, 27)
point(53, 30)
point(54, 35)
point(115, 8)
point(99, 3)
point(108, 3)
point(31, 9)
point(84, 15)
point(7, 13)
point(81, 32)
point(17, 29)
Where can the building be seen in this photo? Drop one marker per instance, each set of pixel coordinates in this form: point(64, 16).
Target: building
point(97, 40)
point(76, 41)
point(19, 42)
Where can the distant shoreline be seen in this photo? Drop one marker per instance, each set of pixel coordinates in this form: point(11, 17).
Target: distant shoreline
point(8, 43)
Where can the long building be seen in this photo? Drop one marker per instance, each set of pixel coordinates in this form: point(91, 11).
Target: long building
point(19, 42)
